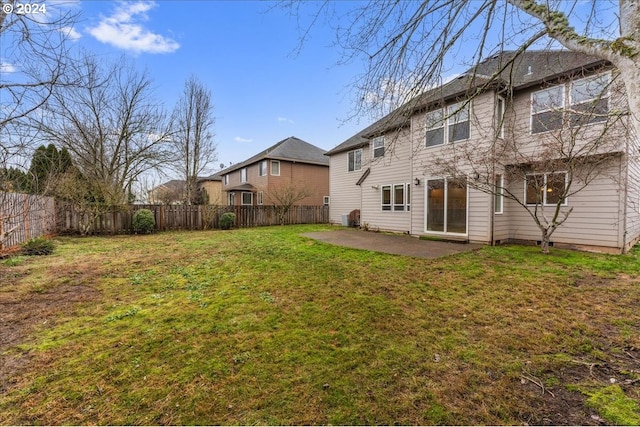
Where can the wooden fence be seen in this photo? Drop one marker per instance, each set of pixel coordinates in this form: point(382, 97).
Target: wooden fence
point(118, 220)
point(23, 217)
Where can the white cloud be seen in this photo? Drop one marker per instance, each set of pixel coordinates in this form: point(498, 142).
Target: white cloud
point(5, 67)
point(123, 30)
point(284, 120)
point(71, 33)
point(241, 139)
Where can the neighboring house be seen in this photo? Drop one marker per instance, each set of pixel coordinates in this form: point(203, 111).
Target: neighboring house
point(392, 170)
point(290, 172)
point(169, 193)
point(212, 187)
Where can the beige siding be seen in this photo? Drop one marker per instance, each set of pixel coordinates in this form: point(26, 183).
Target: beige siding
point(481, 135)
point(345, 194)
point(595, 220)
point(391, 169)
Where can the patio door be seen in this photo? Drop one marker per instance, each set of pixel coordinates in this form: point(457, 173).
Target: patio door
point(446, 207)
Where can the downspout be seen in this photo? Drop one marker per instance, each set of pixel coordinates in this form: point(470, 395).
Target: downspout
point(492, 205)
point(625, 196)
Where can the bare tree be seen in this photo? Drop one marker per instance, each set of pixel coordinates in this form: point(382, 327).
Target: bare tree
point(193, 122)
point(409, 46)
point(284, 197)
point(110, 124)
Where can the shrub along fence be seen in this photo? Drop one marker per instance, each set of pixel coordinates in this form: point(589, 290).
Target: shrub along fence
point(119, 219)
point(25, 216)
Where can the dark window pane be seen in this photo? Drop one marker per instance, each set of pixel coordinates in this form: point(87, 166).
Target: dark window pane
point(435, 137)
point(543, 122)
point(555, 187)
point(590, 112)
point(459, 131)
point(435, 205)
point(456, 207)
point(535, 189)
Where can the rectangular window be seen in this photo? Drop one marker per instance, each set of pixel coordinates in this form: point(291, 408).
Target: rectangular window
point(355, 160)
point(408, 195)
point(589, 99)
point(546, 189)
point(435, 128)
point(458, 117)
point(275, 167)
point(386, 197)
point(326, 200)
point(501, 104)
point(226, 179)
point(546, 109)
point(398, 197)
point(243, 175)
point(446, 206)
point(247, 198)
point(259, 197)
point(232, 199)
point(263, 168)
point(378, 147)
point(498, 194)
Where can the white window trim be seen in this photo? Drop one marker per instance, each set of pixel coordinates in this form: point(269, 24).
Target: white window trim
point(243, 175)
point(426, 206)
point(275, 162)
point(499, 194)
point(326, 200)
point(544, 201)
point(259, 198)
point(448, 120)
point(232, 198)
point(406, 187)
point(242, 198)
point(500, 118)
point(354, 160)
point(263, 170)
point(531, 113)
point(378, 140)
point(226, 179)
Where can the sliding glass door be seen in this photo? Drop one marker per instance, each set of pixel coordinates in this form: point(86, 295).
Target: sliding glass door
point(446, 207)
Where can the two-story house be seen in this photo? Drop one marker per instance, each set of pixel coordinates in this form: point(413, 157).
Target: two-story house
point(477, 157)
point(291, 172)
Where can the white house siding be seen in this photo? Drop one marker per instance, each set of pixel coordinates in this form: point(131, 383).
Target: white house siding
point(596, 218)
point(345, 195)
point(393, 168)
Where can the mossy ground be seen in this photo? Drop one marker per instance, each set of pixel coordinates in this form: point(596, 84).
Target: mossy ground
point(263, 326)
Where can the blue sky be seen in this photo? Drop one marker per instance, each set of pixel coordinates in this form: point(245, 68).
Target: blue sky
point(263, 91)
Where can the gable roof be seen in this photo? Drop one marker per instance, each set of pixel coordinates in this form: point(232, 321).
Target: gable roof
point(215, 177)
point(291, 149)
point(512, 70)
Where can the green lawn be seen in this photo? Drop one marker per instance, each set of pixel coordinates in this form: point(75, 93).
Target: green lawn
point(263, 326)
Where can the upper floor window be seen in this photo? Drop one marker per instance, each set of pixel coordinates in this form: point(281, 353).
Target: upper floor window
point(458, 116)
point(243, 175)
point(588, 100)
point(378, 147)
point(275, 167)
point(546, 189)
point(355, 160)
point(546, 109)
point(452, 127)
point(263, 168)
point(226, 179)
point(435, 128)
point(501, 106)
